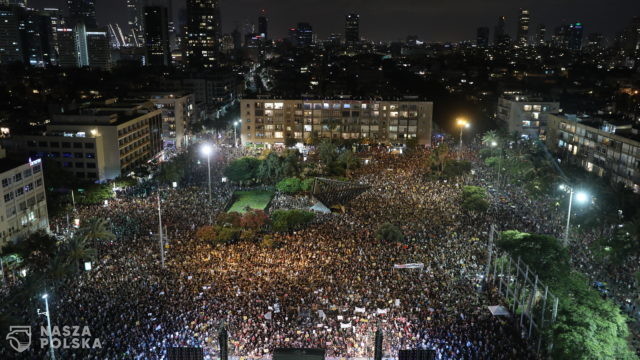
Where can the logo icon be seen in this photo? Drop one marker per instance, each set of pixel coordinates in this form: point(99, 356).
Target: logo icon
point(19, 337)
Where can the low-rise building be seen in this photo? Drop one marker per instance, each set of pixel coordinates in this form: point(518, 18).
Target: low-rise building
point(605, 148)
point(525, 114)
point(98, 142)
point(271, 121)
point(23, 208)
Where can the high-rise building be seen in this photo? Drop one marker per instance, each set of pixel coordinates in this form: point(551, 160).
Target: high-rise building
point(595, 41)
point(99, 50)
point(156, 35)
point(83, 11)
point(525, 114)
point(630, 36)
point(352, 29)
point(82, 48)
point(203, 33)
point(574, 41)
point(263, 25)
point(66, 47)
point(10, 34)
point(522, 36)
point(541, 35)
point(135, 15)
point(500, 37)
point(304, 34)
point(482, 37)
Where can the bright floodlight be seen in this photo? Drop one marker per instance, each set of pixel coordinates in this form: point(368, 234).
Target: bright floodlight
point(462, 122)
point(206, 149)
point(494, 144)
point(582, 197)
point(467, 125)
point(562, 187)
point(235, 123)
point(45, 296)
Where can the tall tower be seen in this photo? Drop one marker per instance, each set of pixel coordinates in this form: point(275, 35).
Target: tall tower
point(541, 35)
point(304, 34)
point(135, 19)
point(574, 36)
point(203, 33)
point(523, 27)
point(156, 35)
point(500, 37)
point(352, 29)
point(263, 25)
point(83, 11)
point(482, 37)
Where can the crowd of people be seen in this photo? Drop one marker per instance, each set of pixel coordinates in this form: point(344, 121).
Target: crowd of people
point(330, 285)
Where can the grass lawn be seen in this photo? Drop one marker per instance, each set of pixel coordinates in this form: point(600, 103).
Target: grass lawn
point(255, 199)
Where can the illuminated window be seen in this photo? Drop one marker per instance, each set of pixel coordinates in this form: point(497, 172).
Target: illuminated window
point(278, 106)
point(527, 107)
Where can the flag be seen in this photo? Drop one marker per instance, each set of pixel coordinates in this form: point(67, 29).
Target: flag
point(321, 314)
point(268, 315)
point(360, 310)
point(382, 311)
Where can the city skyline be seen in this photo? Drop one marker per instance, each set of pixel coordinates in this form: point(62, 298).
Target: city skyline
point(432, 22)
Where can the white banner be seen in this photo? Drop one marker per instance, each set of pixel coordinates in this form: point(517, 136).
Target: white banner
point(360, 310)
point(409, 266)
point(345, 326)
point(382, 311)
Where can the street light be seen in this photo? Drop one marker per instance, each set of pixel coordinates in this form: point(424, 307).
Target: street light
point(46, 313)
point(207, 150)
point(493, 145)
point(581, 197)
point(463, 124)
point(235, 136)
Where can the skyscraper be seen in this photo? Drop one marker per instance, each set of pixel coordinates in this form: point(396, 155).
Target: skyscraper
point(482, 37)
point(10, 34)
point(135, 15)
point(203, 33)
point(541, 35)
point(523, 27)
point(263, 25)
point(574, 41)
point(304, 34)
point(99, 50)
point(500, 37)
point(352, 29)
point(83, 11)
point(156, 35)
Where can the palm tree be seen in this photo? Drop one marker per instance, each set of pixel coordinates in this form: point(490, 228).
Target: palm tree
point(58, 270)
point(77, 249)
point(490, 137)
point(95, 229)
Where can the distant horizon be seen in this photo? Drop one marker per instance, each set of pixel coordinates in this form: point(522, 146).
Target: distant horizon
point(381, 21)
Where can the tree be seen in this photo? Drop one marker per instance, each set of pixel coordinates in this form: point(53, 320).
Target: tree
point(232, 219)
point(348, 160)
point(438, 158)
point(76, 249)
point(243, 170)
point(327, 152)
point(624, 244)
point(207, 233)
point(270, 169)
point(474, 198)
point(389, 232)
point(95, 229)
point(545, 255)
point(289, 185)
point(254, 220)
point(290, 142)
point(490, 137)
point(287, 220)
point(36, 250)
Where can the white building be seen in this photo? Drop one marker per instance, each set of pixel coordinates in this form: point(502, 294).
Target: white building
point(24, 204)
point(525, 114)
point(271, 121)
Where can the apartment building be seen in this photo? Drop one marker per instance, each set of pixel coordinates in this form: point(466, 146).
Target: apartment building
point(23, 208)
point(178, 113)
point(271, 121)
point(98, 142)
point(525, 114)
point(605, 148)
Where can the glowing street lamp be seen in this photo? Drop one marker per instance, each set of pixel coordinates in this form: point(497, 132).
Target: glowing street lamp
point(462, 123)
point(581, 197)
point(235, 135)
point(207, 150)
point(46, 313)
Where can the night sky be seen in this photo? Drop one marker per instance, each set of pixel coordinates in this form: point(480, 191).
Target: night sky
point(433, 20)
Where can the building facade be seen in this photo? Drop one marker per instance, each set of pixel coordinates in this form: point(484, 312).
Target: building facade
point(525, 114)
point(352, 29)
point(156, 35)
point(272, 121)
point(24, 204)
point(522, 35)
point(178, 113)
point(600, 147)
point(100, 142)
point(203, 33)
